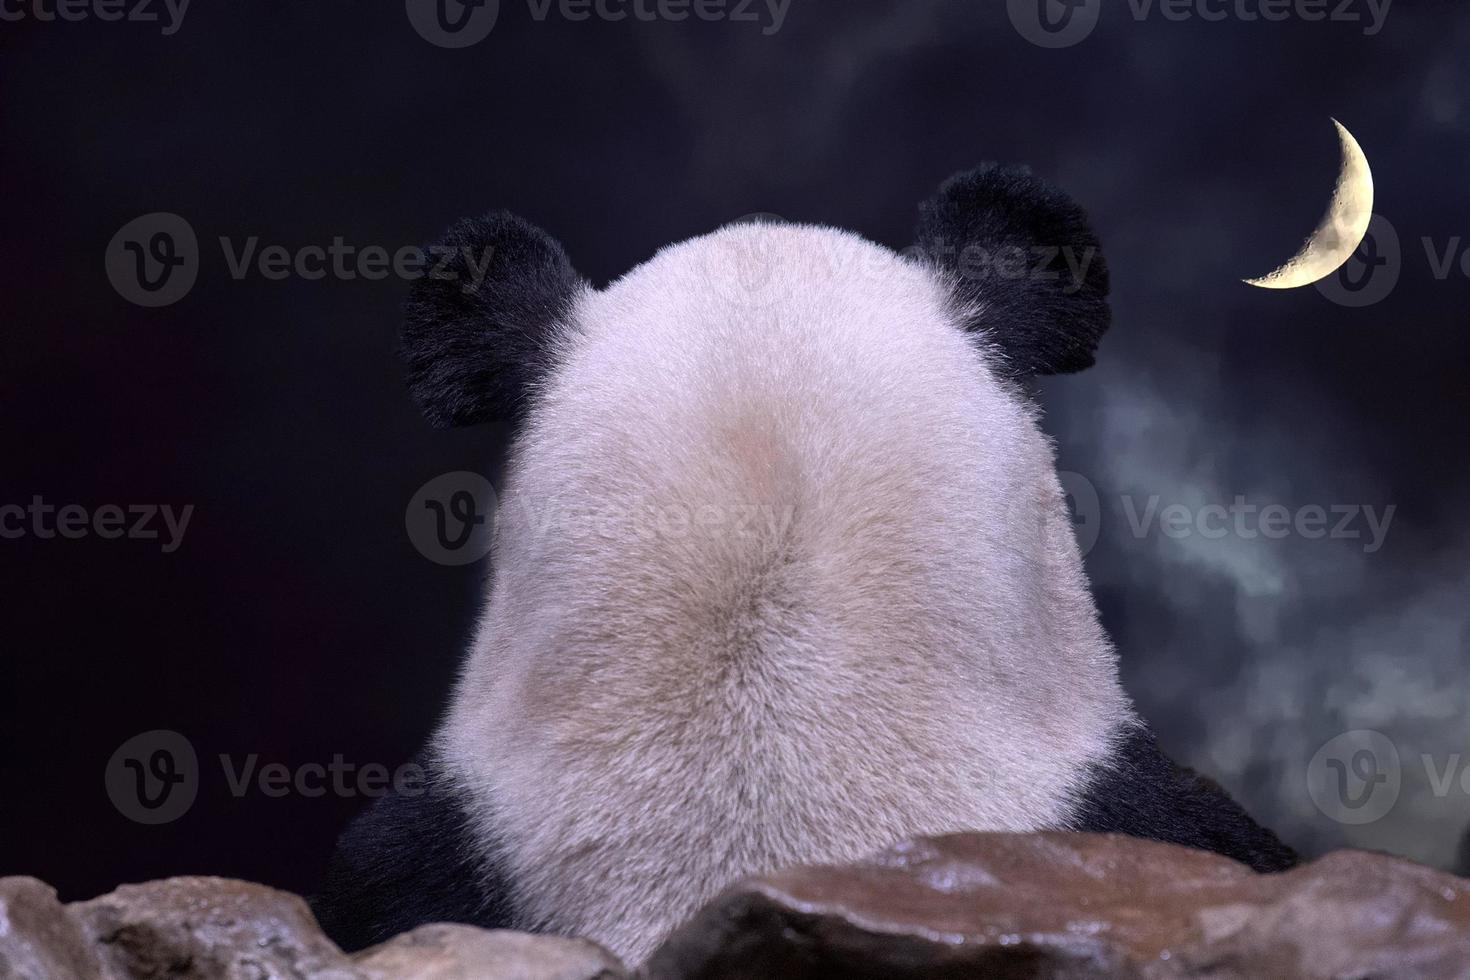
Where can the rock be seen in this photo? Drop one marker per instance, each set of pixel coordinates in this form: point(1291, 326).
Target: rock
point(38, 939)
point(1078, 906)
point(450, 952)
point(1040, 906)
point(217, 929)
point(209, 929)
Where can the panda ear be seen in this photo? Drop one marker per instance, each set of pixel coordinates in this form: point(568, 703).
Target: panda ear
point(479, 328)
point(1029, 274)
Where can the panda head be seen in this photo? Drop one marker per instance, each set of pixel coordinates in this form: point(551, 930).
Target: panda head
point(1022, 270)
point(778, 518)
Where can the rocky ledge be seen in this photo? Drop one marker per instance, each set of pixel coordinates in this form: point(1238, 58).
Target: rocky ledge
point(991, 906)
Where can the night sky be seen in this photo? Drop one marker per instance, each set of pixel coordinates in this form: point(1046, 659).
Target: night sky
point(296, 621)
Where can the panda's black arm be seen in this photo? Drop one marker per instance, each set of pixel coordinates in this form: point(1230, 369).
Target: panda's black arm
point(1144, 794)
point(408, 860)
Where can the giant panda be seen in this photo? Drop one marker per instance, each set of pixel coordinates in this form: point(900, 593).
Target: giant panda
point(783, 573)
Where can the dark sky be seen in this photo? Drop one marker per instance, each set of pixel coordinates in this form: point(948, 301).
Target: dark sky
point(297, 621)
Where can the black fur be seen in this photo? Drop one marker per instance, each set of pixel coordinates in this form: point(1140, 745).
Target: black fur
point(1005, 237)
point(406, 861)
point(478, 328)
point(1146, 795)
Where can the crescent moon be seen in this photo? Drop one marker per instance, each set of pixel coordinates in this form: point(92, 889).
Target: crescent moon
point(1342, 228)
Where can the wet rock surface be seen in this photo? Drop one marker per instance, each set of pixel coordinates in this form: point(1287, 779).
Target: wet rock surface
point(203, 928)
point(992, 906)
point(219, 929)
point(1079, 906)
point(451, 952)
point(38, 939)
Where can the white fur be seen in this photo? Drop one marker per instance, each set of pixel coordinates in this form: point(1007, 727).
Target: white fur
point(898, 640)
